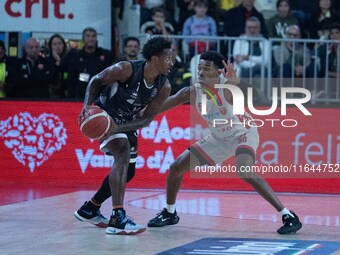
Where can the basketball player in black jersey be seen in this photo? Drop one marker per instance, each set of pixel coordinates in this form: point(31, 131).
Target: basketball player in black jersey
point(131, 87)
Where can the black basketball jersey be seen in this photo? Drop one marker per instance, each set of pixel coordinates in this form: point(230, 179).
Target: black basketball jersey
point(124, 101)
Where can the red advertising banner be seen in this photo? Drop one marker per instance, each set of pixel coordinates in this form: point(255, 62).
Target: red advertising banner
point(40, 142)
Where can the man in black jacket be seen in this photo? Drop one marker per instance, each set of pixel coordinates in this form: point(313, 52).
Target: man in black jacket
point(33, 73)
point(86, 63)
point(235, 19)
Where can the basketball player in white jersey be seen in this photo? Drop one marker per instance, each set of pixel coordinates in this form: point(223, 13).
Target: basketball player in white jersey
point(223, 141)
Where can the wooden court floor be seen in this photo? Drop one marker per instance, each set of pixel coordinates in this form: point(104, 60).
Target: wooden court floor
point(46, 225)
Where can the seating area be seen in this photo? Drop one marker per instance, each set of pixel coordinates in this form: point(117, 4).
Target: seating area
point(325, 89)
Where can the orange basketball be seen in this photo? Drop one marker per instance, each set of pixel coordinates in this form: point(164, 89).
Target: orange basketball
point(96, 123)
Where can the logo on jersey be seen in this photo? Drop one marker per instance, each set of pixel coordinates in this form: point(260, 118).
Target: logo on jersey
point(154, 93)
point(136, 109)
point(133, 95)
point(33, 140)
point(223, 110)
point(212, 93)
point(131, 101)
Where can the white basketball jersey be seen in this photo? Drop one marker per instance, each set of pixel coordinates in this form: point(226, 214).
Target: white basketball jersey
point(223, 124)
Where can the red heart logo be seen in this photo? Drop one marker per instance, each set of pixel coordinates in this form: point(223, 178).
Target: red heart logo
point(33, 140)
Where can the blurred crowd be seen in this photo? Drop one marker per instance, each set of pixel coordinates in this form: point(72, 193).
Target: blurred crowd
point(62, 71)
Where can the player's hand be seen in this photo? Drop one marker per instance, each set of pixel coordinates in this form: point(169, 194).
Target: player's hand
point(56, 57)
point(140, 114)
point(83, 114)
point(229, 72)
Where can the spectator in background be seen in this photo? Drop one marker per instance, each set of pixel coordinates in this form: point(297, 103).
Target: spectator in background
point(235, 19)
point(250, 55)
point(266, 7)
point(170, 11)
point(333, 52)
point(223, 6)
point(198, 25)
point(186, 9)
point(293, 57)
point(146, 9)
point(229, 4)
point(6, 73)
point(86, 63)
point(60, 56)
point(33, 73)
point(330, 59)
point(277, 24)
point(336, 5)
point(302, 10)
point(158, 25)
point(322, 17)
point(177, 77)
point(147, 6)
point(131, 49)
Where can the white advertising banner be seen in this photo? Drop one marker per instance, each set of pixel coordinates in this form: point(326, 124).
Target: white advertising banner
point(57, 16)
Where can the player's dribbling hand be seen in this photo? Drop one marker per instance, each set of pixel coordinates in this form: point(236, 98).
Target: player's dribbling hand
point(82, 115)
point(140, 114)
point(229, 72)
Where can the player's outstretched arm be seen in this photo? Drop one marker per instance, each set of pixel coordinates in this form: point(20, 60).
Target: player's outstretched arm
point(181, 97)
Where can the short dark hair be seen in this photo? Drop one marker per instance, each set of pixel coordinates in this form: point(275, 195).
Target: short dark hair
point(155, 47)
point(334, 26)
point(131, 38)
point(215, 57)
point(62, 39)
point(280, 1)
point(201, 3)
point(88, 29)
point(157, 9)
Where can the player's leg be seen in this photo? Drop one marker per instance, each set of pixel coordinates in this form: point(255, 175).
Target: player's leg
point(245, 158)
point(104, 191)
point(119, 223)
point(90, 210)
point(175, 175)
point(120, 149)
point(196, 155)
point(168, 216)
